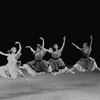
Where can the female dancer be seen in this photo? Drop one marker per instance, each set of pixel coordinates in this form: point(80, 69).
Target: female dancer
point(86, 63)
point(12, 67)
point(38, 65)
point(56, 63)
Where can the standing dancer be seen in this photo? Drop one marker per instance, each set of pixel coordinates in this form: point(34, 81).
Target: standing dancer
point(86, 63)
point(38, 65)
point(56, 63)
point(12, 67)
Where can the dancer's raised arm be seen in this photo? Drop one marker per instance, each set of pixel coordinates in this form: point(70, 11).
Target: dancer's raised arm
point(20, 48)
point(42, 42)
point(48, 50)
point(4, 54)
point(64, 38)
point(31, 49)
point(91, 41)
point(77, 46)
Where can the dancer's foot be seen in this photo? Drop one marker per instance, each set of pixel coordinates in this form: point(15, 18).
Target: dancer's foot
point(70, 71)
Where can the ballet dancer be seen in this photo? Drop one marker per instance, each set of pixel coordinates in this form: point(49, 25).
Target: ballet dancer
point(12, 67)
point(38, 65)
point(57, 66)
point(86, 63)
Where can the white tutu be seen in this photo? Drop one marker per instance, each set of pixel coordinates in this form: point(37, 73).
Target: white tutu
point(13, 70)
point(94, 65)
point(79, 68)
point(3, 71)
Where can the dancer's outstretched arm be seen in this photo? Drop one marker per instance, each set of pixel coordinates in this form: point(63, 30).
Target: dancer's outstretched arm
point(20, 48)
point(44, 48)
point(4, 53)
point(64, 39)
point(76, 46)
point(42, 43)
point(91, 41)
point(90, 46)
point(48, 50)
point(31, 49)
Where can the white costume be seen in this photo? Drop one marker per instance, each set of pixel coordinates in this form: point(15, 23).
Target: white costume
point(12, 66)
point(4, 72)
point(94, 65)
point(79, 68)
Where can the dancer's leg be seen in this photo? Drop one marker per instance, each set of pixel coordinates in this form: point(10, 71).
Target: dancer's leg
point(21, 74)
point(29, 70)
point(50, 70)
point(78, 68)
point(95, 66)
point(70, 70)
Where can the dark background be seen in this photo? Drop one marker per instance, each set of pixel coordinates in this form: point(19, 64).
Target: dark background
point(27, 25)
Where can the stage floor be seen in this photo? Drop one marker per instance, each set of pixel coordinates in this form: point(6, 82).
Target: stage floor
point(81, 86)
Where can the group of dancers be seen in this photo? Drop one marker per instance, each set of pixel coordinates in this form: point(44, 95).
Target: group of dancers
point(39, 66)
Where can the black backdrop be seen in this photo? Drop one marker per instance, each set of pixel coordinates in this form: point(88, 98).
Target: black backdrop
point(27, 27)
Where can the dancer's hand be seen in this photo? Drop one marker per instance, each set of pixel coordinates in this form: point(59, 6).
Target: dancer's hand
point(16, 42)
point(28, 47)
point(91, 36)
point(50, 49)
point(41, 38)
point(64, 37)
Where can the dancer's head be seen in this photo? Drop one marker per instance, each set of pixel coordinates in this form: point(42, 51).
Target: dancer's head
point(55, 46)
point(13, 50)
point(39, 47)
point(85, 45)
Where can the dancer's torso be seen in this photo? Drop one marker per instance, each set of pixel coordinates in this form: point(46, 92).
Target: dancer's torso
point(56, 54)
point(39, 55)
point(86, 52)
point(11, 58)
point(12, 61)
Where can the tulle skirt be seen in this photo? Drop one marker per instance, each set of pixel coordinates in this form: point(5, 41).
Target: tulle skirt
point(39, 65)
point(3, 72)
point(14, 69)
point(56, 64)
point(85, 64)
